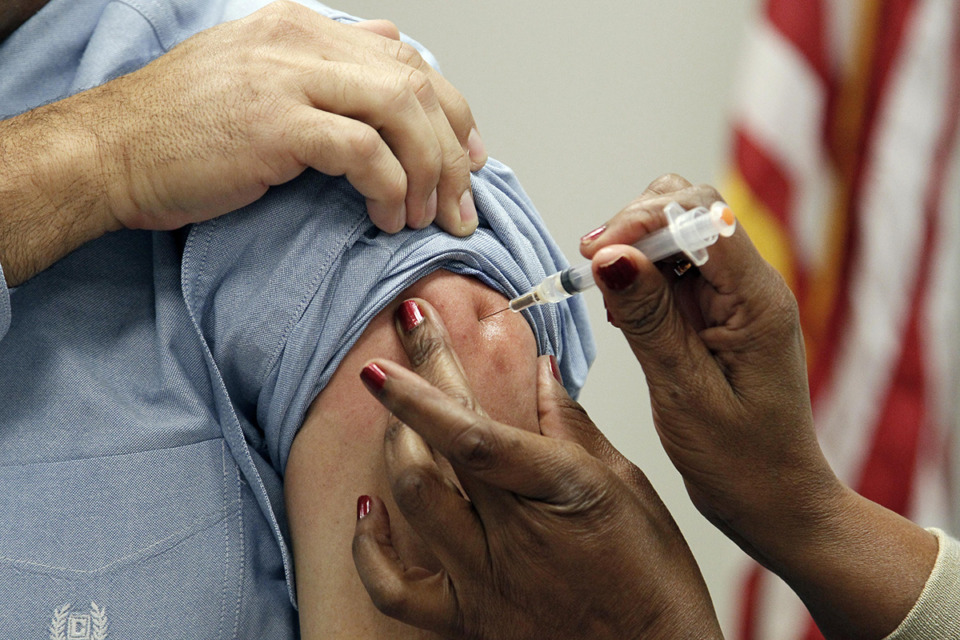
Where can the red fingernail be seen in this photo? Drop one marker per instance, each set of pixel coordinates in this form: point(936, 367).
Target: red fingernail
point(593, 235)
point(555, 368)
point(364, 503)
point(374, 377)
point(410, 315)
point(619, 274)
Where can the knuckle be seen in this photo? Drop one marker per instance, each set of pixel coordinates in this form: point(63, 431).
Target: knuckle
point(390, 601)
point(456, 104)
point(411, 489)
point(399, 95)
point(365, 143)
point(647, 318)
point(408, 55)
point(426, 349)
point(456, 161)
point(456, 390)
point(709, 194)
point(412, 87)
point(571, 406)
point(279, 20)
point(475, 446)
point(431, 163)
point(668, 183)
point(422, 87)
point(393, 431)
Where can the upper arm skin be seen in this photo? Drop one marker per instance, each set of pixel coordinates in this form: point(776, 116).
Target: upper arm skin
point(338, 453)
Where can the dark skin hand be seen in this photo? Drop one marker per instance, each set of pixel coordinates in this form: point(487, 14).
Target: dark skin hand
point(557, 533)
point(723, 355)
point(722, 352)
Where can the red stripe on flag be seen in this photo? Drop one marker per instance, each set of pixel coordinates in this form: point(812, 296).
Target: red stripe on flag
point(804, 25)
point(770, 183)
point(750, 605)
point(765, 176)
point(889, 474)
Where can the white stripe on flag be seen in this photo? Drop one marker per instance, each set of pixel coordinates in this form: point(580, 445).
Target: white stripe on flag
point(895, 185)
point(785, 616)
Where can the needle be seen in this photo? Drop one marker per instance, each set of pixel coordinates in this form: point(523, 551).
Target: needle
point(490, 315)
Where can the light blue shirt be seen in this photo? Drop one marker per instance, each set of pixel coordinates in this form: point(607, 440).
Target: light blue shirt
point(151, 384)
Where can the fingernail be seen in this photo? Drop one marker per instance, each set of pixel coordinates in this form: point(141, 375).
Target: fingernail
point(476, 149)
point(374, 377)
point(468, 212)
point(593, 235)
point(432, 206)
point(619, 274)
point(364, 503)
point(555, 368)
point(410, 315)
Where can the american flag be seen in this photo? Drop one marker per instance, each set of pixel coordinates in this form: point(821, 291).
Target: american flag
point(845, 174)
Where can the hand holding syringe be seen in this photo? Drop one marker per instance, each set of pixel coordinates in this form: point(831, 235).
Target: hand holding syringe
point(688, 232)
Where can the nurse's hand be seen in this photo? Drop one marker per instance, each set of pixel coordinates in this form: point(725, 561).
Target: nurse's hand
point(557, 535)
point(723, 355)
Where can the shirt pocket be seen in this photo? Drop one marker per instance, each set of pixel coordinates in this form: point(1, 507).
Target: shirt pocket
point(122, 544)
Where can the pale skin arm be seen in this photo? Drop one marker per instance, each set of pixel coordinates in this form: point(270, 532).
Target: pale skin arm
point(338, 454)
point(211, 125)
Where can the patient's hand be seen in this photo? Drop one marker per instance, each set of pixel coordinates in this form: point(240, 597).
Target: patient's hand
point(208, 127)
point(338, 454)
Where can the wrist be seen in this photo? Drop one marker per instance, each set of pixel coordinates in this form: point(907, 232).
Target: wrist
point(857, 566)
point(51, 189)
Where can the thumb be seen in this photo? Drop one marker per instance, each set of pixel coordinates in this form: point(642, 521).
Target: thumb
point(641, 303)
point(563, 418)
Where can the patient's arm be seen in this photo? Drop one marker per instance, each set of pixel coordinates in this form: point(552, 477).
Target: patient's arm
point(337, 455)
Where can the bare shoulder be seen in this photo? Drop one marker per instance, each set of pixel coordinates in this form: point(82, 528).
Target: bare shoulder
point(337, 455)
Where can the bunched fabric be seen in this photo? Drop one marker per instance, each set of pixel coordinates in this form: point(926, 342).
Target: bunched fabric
point(151, 384)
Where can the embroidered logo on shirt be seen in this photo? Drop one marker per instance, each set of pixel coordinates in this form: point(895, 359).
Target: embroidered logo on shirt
point(71, 625)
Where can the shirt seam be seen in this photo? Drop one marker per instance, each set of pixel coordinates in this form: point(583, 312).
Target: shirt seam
point(147, 19)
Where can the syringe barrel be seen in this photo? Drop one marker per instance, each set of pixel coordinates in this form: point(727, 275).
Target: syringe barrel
point(658, 245)
point(689, 232)
point(577, 279)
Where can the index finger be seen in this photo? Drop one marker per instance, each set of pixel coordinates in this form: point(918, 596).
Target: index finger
point(734, 262)
point(492, 453)
point(454, 105)
point(427, 345)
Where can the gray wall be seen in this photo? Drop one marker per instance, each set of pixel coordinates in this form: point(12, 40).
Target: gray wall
point(588, 106)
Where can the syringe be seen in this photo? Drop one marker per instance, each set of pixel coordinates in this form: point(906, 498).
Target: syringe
point(688, 232)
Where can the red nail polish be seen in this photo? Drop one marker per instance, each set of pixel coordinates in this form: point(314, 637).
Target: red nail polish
point(364, 503)
point(410, 315)
point(619, 274)
point(374, 377)
point(593, 235)
point(555, 368)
